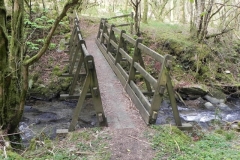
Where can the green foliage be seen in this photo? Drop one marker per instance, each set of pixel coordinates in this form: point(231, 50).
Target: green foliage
point(51, 21)
point(40, 40)
point(203, 13)
point(171, 143)
point(32, 46)
point(30, 83)
point(57, 71)
point(52, 46)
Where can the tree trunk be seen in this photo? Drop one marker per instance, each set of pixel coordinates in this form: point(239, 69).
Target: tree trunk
point(12, 77)
point(14, 65)
point(206, 20)
point(183, 20)
point(55, 7)
point(3, 63)
point(197, 18)
point(136, 6)
point(159, 10)
point(126, 5)
point(43, 3)
point(145, 11)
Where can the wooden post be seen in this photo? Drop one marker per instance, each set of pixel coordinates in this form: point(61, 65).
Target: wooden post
point(158, 94)
point(76, 75)
point(78, 108)
point(75, 54)
point(131, 26)
point(141, 62)
point(118, 57)
point(94, 88)
point(135, 58)
point(102, 38)
point(100, 28)
point(111, 34)
point(173, 101)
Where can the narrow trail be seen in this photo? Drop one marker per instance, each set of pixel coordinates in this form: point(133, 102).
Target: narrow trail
point(125, 124)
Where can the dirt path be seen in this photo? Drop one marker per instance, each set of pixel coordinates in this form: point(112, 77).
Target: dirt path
point(126, 126)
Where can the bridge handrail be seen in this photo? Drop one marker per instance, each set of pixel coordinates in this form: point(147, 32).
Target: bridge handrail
point(115, 51)
point(79, 60)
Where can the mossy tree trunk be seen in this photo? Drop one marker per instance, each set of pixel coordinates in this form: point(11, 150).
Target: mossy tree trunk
point(3, 62)
point(13, 73)
point(14, 64)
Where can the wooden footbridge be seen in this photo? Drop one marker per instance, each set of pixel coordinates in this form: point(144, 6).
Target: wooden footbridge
point(124, 55)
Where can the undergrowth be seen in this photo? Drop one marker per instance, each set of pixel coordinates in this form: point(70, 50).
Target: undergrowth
point(212, 62)
point(83, 144)
point(171, 143)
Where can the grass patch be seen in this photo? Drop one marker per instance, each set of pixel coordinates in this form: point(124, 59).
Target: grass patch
point(171, 143)
point(83, 144)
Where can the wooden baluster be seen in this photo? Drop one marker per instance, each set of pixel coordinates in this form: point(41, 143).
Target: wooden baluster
point(121, 44)
point(158, 94)
point(135, 58)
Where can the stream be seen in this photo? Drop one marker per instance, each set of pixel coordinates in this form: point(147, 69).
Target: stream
point(200, 115)
point(42, 117)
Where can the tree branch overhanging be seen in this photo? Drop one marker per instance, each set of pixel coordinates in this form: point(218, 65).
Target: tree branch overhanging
point(68, 5)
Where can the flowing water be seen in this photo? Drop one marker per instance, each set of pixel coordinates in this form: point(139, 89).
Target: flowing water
point(41, 117)
point(201, 115)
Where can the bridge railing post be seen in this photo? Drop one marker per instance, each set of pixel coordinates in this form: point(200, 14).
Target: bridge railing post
point(120, 45)
point(72, 42)
point(131, 26)
point(132, 70)
point(111, 37)
point(100, 28)
point(102, 37)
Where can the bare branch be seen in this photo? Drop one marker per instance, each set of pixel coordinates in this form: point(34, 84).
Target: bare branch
point(237, 5)
point(218, 10)
point(218, 34)
point(133, 3)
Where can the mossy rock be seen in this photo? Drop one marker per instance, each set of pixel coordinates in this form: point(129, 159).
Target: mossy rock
point(194, 89)
point(217, 93)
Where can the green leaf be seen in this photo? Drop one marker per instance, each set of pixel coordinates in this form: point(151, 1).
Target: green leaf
point(30, 83)
point(203, 13)
point(51, 21)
